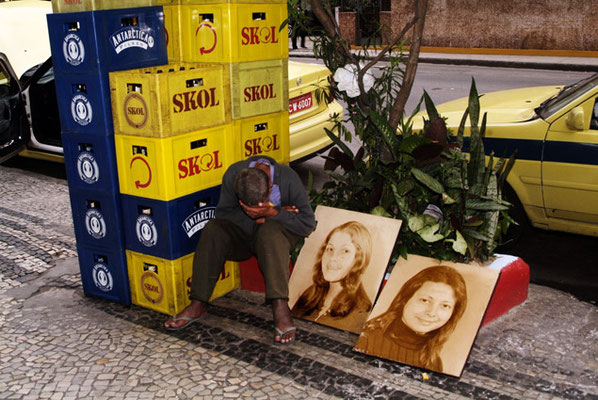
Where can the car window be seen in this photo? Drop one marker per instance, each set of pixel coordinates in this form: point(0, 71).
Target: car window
point(594, 121)
point(567, 95)
point(4, 83)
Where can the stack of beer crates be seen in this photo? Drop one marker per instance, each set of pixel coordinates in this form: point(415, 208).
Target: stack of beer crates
point(222, 98)
point(88, 40)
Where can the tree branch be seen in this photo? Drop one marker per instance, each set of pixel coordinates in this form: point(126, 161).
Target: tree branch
point(399, 104)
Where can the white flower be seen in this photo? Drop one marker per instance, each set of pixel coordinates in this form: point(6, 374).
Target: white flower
point(346, 77)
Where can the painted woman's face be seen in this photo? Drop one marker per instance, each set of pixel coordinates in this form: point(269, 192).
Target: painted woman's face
point(338, 257)
point(430, 307)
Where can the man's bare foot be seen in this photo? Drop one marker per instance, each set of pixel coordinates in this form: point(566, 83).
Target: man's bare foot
point(283, 322)
point(190, 314)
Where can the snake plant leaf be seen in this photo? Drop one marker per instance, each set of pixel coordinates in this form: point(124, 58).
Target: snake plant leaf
point(336, 140)
point(474, 104)
point(310, 181)
point(388, 134)
point(430, 107)
point(484, 205)
point(412, 142)
point(427, 180)
point(461, 129)
point(503, 176)
point(475, 235)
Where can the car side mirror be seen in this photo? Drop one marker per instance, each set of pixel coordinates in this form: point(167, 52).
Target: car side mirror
point(575, 119)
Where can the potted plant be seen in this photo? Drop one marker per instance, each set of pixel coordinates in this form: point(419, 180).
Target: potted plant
point(447, 194)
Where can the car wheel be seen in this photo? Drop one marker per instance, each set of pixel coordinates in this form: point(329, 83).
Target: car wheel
point(515, 231)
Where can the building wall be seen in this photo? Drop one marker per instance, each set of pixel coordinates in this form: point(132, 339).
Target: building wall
point(511, 24)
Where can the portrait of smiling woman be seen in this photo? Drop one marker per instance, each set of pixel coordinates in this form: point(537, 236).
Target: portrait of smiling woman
point(420, 319)
point(337, 296)
point(340, 268)
point(428, 313)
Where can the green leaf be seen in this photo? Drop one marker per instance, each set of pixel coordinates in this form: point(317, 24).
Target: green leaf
point(475, 235)
point(461, 129)
point(429, 233)
point(430, 107)
point(484, 205)
point(388, 134)
point(474, 104)
point(412, 142)
point(427, 180)
point(336, 140)
point(459, 244)
point(380, 211)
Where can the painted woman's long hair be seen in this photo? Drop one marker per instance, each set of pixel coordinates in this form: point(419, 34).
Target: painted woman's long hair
point(313, 298)
point(430, 354)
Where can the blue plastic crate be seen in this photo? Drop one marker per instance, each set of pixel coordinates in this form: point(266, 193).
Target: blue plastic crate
point(90, 161)
point(104, 273)
point(97, 218)
point(167, 229)
point(84, 103)
point(107, 40)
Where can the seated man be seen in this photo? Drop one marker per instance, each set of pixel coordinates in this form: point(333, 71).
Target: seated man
point(263, 211)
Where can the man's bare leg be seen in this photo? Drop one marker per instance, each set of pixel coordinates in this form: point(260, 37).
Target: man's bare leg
point(283, 320)
point(196, 309)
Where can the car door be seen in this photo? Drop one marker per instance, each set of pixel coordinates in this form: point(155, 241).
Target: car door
point(14, 129)
point(570, 163)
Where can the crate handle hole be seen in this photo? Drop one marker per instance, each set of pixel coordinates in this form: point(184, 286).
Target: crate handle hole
point(194, 82)
point(201, 203)
point(134, 87)
point(144, 210)
point(73, 26)
point(196, 144)
point(207, 17)
point(260, 127)
point(129, 21)
point(80, 88)
point(259, 16)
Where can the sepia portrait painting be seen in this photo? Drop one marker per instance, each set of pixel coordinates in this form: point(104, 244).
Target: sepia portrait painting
point(428, 314)
point(341, 266)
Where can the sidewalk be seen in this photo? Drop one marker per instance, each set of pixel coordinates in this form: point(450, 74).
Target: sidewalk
point(563, 63)
point(56, 343)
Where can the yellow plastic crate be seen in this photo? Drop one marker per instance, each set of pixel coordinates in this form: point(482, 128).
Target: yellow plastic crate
point(63, 6)
point(165, 169)
point(259, 87)
point(233, 33)
point(254, 2)
point(170, 100)
point(173, 32)
point(164, 285)
point(263, 135)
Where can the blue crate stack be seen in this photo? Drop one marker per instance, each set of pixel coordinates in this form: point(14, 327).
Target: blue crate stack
point(86, 46)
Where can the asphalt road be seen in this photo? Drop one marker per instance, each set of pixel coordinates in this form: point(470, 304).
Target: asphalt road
point(559, 260)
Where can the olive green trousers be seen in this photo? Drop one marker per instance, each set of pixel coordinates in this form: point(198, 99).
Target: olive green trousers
point(222, 240)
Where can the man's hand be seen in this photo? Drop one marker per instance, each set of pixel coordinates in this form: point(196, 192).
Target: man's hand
point(259, 212)
point(291, 209)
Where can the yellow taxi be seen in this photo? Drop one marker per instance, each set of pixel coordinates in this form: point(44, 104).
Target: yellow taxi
point(29, 123)
point(554, 130)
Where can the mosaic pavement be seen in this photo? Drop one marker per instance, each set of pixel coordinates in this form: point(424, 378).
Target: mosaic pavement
point(56, 343)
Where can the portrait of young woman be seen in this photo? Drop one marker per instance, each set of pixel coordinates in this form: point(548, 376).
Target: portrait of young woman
point(424, 306)
point(340, 268)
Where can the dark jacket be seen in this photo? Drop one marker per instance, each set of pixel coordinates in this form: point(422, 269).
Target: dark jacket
point(291, 193)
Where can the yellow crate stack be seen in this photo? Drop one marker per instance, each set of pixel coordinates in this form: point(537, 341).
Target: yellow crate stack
point(246, 36)
point(223, 97)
